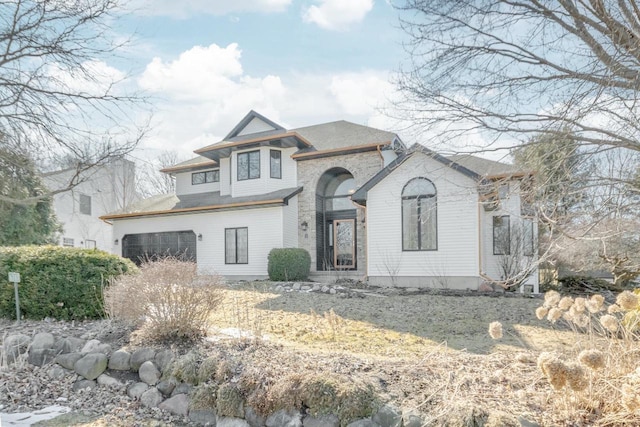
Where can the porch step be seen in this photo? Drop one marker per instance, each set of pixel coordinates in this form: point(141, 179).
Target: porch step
point(333, 276)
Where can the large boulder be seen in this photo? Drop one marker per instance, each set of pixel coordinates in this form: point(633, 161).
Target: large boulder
point(388, 416)
point(107, 381)
point(136, 390)
point(140, 356)
point(163, 359)
point(231, 422)
point(364, 422)
point(91, 365)
point(68, 360)
point(167, 387)
point(151, 398)
point(69, 345)
point(41, 356)
point(177, 405)
point(254, 419)
point(202, 417)
point(321, 421)
point(42, 340)
point(149, 373)
point(120, 361)
point(95, 346)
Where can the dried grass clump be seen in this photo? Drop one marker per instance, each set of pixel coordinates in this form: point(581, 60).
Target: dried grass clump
point(605, 380)
point(495, 330)
point(230, 401)
point(592, 359)
point(541, 312)
point(204, 397)
point(185, 368)
point(167, 297)
point(207, 369)
point(565, 303)
point(551, 299)
point(627, 300)
point(554, 315)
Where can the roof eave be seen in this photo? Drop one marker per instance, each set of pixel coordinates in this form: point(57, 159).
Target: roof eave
point(339, 151)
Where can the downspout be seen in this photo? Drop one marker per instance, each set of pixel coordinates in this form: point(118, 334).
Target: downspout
point(381, 156)
point(480, 272)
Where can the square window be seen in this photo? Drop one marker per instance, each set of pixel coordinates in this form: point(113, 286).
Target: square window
point(249, 165)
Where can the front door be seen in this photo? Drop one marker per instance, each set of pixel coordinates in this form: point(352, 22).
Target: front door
point(344, 248)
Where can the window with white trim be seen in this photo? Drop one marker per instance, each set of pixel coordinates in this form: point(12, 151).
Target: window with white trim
point(205, 177)
point(236, 243)
point(419, 216)
point(248, 165)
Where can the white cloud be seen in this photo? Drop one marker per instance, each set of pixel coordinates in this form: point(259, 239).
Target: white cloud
point(361, 93)
point(95, 78)
point(186, 8)
point(338, 15)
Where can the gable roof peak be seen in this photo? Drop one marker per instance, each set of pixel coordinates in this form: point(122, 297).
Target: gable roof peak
point(248, 118)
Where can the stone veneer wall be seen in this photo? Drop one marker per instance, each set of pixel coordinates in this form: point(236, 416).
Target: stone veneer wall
point(362, 166)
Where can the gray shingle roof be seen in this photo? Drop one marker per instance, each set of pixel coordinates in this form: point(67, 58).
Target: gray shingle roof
point(482, 166)
point(341, 134)
point(168, 203)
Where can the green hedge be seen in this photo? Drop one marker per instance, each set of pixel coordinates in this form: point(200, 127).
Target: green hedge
point(63, 283)
point(289, 264)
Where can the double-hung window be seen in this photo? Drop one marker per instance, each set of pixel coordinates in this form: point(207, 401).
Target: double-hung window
point(419, 216)
point(85, 204)
point(249, 165)
point(275, 157)
point(236, 243)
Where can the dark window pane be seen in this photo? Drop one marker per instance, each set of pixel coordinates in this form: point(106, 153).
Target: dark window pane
point(85, 204)
point(230, 246)
point(215, 176)
point(428, 224)
point(409, 225)
point(501, 235)
point(243, 166)
point(242, 245)
point(197, 178)
point(528, 240)
point(254, 165)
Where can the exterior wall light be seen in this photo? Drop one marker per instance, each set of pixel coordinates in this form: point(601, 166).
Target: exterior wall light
point(200, 237)
point(304, 226)
point(115, 242)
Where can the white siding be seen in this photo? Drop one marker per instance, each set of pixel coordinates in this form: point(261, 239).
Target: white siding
point(264, 233)
point(290, 223)
point(265, 184)
point(457, 219)
point(254, 126)
point(184, 186)
point(388, 156)
point(110, 187)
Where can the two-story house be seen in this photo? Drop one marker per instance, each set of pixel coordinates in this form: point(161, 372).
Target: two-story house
point(359, 201)
point(96, 191)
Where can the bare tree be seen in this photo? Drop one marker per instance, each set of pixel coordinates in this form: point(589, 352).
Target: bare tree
point(58, 96)
point(559, 79)
point(150, 181)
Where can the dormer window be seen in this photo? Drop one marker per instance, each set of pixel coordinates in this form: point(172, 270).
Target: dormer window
point(249, 165)
point(205, 177)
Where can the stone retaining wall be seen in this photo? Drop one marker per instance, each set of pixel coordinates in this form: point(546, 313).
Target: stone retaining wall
point(146, 375)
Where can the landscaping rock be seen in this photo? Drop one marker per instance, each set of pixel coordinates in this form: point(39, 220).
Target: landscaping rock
point(321, 421)
point(120, 361)
point(167, 387)
point(252, 418)
point(163, 359)
point(107, 381)
point(283, 418)
point(136, 390)
point(41, 356)
point(411, 419)
point(231, 422)
point(149, 373)
point(203, 417)
point(177, 405)
point(524, 422)
point(182, 388)
point(316, 287)
point(365, 422)
point(56, 372)
point(42, 340)
point(68, 360)
point(325, 289)
point(151, 398)
point(296, 286)
point(91, 365)
point(140, 356)
point(388, 416)
point(95, 346)
point(83, 385)
point(69, 345)
point(279, 288)
point(14, 346)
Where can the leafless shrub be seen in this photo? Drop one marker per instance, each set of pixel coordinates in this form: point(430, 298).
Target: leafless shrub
point(166, 298)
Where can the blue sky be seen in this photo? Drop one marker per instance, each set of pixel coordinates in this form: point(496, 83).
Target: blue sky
point(206, 63)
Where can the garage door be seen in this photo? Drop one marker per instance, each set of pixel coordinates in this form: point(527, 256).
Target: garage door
point(140, 247)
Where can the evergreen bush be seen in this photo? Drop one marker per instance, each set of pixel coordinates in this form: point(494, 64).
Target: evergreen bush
point(58, 282)
point(287, 264)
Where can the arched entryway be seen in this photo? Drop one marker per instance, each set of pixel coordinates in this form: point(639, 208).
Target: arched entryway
point(335, 221)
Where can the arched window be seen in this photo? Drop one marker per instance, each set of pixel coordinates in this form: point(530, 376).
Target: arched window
point(419, 216)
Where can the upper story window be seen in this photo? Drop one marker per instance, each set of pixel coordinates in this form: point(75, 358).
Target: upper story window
point(85, 204)
point(205, 177)
point(275, 157)
point(501, 235)
point(249, 165)
point(503, 191)
point(419, 216)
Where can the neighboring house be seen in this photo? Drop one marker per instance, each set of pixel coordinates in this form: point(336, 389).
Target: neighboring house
point(354, 197)
point(101, 189)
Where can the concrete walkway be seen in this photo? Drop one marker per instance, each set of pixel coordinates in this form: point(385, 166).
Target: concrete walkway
point(30, 418)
